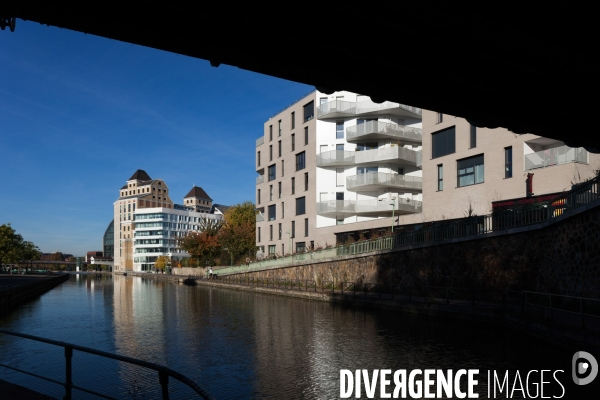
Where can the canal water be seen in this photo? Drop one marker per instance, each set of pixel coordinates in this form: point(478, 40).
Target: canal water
point(241, 345)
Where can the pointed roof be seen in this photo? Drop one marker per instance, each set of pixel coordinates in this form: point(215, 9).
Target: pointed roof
point(197, 192)
point(140, 175)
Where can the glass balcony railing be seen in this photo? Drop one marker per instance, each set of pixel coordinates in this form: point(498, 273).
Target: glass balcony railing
point(341, 108)
point(335, 158)
point(260, 179)
point(260, 217)
point(555, 156)
point(382, 130)
point(366, 107)
point(260, 141)
point(392, 154)
point(350, 207)
point(379, 179)
point(336, 108)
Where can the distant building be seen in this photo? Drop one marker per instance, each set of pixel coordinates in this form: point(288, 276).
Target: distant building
point(108, 241)
point(149, 223)
point(95, 254)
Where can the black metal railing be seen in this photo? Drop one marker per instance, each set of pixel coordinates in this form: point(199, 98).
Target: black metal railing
point(163, 372)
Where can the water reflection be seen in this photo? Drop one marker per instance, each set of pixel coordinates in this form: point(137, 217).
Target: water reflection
point(244, 345)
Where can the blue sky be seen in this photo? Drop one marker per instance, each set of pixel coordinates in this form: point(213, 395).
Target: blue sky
point(79, 114)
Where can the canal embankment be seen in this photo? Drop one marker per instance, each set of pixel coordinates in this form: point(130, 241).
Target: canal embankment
point(18, 289)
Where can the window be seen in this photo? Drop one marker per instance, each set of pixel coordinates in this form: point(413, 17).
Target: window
point(339, 195)
point(305, 226)
point(300, 206)
point(279, 147)
point(293, 185)
point(272, 172)
point(440, 117)
point(282, 210)
point(339, 130)
point(293, 229)
point(309, 111)
point(473, 136)
point(271, 249)
point(470, 171)
point(305, 135)
point(400, 171)
point(300, 247)
point(258, 197)
point(306, 181)
point(271, 234)
point(258, 230)
point(443, 142)
point(508, 162)
point(339, 221)
point(270, 152)
point(279, 184)
point(270, 132)
point(293, 120)
point(279, 231)
point(271, 193)
point(440, 171)
point(279, 128)
point(272, 213)
point(300, 161)
point(293, 141)
point(339, 176)
point(282, 164)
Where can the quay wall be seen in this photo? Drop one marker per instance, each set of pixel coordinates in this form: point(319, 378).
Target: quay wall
point(16, 290)
point(562, 258)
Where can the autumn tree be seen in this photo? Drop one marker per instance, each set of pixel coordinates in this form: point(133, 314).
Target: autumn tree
point(161, 262)
point(205, 243)
point(238, 232)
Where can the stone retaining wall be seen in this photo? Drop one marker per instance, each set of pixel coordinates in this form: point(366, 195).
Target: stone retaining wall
point(563, 258)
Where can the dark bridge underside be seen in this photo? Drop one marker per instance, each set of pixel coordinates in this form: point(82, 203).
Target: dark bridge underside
point(531, 71)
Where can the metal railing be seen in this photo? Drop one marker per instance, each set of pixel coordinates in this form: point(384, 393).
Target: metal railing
point(163, 372)
point(384, 179)
point(260, 141)
point(579, 196)
point(384, 130)
point(555, 156)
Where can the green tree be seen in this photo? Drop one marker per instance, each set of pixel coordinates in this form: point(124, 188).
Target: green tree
point(14, 249)
point(238, 232)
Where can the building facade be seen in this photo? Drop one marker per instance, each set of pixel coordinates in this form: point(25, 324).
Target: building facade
point(149, 223)
point(336, 163)
point(466, 168)
point(331, 163)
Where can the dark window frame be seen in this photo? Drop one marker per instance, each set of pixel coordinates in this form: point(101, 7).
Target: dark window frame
point(508, 172)
point(464, 165)
point(301, 205)
point(443, 142)
point(300, 161)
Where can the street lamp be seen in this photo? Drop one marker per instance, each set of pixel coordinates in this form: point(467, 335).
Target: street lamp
point(393, 204)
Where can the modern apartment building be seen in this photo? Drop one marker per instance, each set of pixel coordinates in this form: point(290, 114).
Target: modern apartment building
point(466, 168)
point(333, 163)
point(149, 223)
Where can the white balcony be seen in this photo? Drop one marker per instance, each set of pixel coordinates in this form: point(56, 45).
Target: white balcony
point(260, 141)
point(335, 158)
point(260, 179)
point(555, 156)
point(377, 180)
point(389, 155)
point(365, 207)
point(375, 130)
point(369, 108)
point(336, 109)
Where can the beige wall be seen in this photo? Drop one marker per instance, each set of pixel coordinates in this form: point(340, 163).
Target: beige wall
point(453, 202)
point(289, 158)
